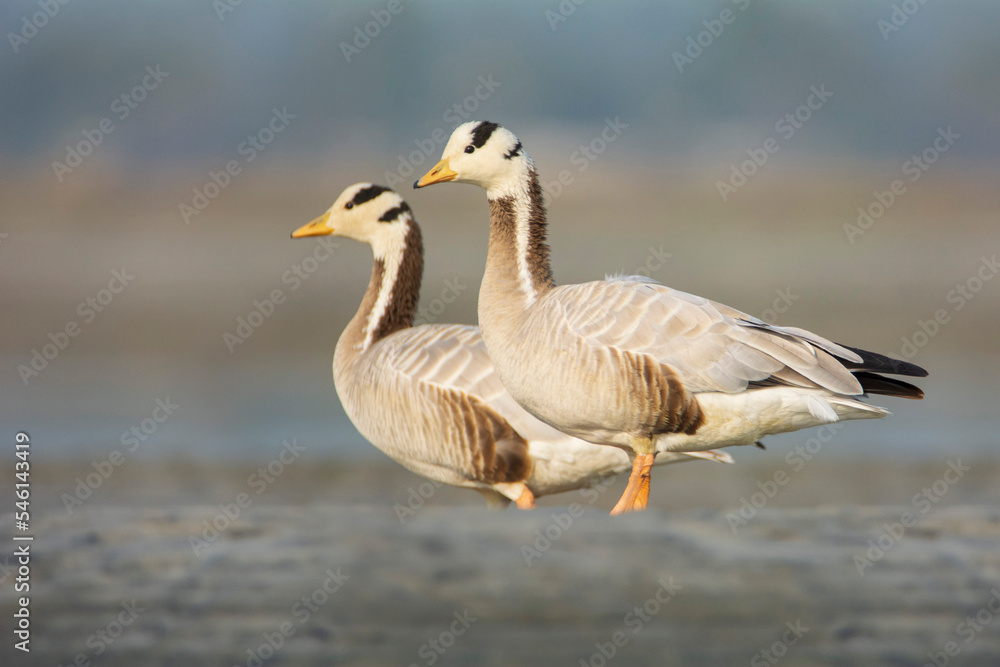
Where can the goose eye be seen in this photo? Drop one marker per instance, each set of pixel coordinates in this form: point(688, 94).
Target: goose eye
point(470, 149)
point(349, 205)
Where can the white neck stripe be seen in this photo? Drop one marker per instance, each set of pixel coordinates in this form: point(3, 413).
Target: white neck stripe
point(522, 215)
point(392, 256)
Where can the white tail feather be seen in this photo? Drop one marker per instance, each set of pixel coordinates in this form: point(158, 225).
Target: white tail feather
point(712, 455)
point(821, 409)
point(854, 409)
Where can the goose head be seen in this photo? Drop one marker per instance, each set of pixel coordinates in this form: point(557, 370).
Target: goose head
point(484, 154)
point(365, 212)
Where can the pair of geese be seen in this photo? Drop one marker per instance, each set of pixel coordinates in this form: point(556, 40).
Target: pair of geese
point(563, 385)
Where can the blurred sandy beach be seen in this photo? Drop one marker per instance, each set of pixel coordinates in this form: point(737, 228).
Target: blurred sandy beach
point(325, 569)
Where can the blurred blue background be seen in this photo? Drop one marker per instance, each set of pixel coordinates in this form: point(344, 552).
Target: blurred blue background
point(697, 85)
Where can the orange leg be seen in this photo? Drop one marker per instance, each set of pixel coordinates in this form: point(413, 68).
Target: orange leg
point(526, 501)
point(636, 494)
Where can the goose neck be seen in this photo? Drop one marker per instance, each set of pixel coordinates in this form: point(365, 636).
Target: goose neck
point(518, 263)
point(390, 301)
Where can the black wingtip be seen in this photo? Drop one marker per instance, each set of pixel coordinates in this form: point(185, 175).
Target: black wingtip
point(873, 361)
point(873, 383)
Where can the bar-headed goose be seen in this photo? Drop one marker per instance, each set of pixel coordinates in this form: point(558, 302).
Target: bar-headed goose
point(629, 362)
point(427, 396)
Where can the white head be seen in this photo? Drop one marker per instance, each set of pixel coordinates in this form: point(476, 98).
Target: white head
point(369, 213)
point(484, 154)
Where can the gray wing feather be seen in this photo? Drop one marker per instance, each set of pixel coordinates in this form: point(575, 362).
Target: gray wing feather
point(711, 346)
point(438, 359)
point(454, 357)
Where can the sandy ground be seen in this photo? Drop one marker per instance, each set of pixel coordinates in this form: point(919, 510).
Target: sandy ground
point(321, 565)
